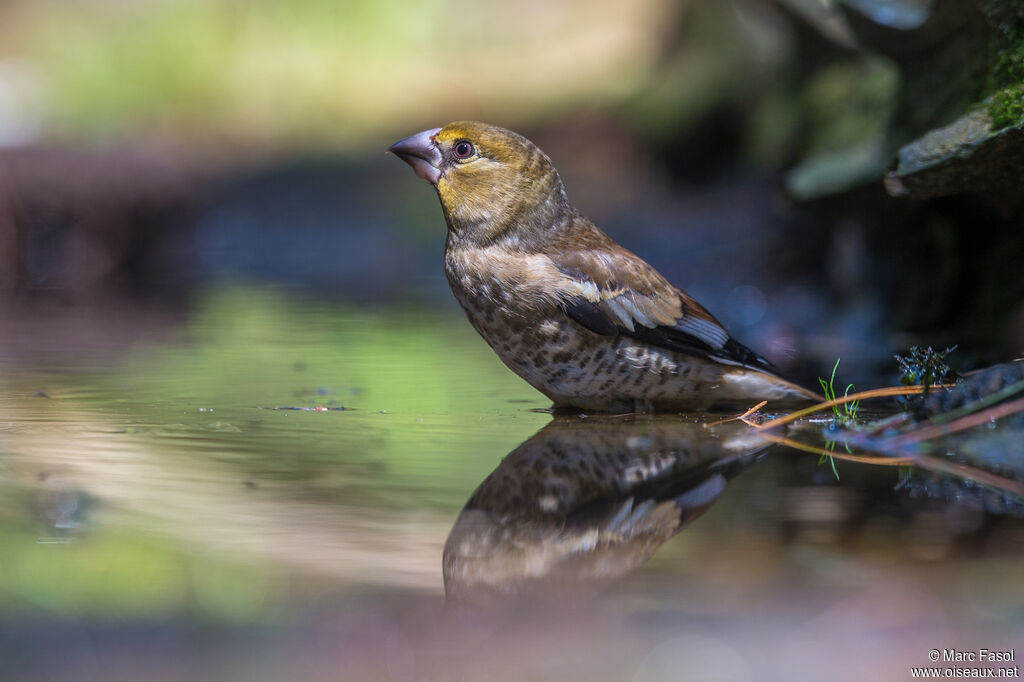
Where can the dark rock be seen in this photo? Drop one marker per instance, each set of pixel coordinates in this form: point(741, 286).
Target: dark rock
point(965, 156)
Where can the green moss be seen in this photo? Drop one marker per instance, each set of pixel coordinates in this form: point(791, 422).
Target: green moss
point(1007, 55)
point(1009, 64)
point(1005, 82)
point(1006, 107)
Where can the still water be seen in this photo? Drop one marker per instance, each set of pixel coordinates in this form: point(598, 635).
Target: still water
point(273, 487)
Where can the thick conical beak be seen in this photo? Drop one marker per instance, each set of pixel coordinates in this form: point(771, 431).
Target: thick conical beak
point(420, 151)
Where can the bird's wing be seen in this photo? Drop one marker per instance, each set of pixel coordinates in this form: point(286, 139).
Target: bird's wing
point(614, 292)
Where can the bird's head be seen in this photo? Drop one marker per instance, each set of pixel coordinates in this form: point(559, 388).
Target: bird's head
point(492, 182)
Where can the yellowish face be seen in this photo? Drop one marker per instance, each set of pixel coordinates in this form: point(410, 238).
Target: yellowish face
point(493, 183)
point(490, 176)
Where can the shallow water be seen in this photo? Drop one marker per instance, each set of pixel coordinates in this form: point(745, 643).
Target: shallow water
point(184, 498)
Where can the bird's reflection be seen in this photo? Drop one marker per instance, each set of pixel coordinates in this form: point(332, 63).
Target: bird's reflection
point(585, 501)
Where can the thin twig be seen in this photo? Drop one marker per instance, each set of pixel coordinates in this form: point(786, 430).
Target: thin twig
point(990, 399)
point(743, 416)
point(886, 424)
point(929, 431)
point(863, 395)
point(863, 459)
point(946, 466)
point(927, 462)
point(952, 422)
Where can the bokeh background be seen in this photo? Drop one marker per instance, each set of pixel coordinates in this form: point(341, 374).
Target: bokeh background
point(202, 242)
point(152, 148)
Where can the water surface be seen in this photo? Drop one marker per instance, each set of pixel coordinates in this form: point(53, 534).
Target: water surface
point(271, 486)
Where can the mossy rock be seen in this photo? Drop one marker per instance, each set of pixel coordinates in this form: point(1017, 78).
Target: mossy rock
point(966, 155)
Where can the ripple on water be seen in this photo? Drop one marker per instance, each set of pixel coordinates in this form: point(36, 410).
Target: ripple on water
point(158, 476)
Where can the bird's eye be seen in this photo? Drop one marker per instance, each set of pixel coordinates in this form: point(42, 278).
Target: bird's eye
point(463, 149)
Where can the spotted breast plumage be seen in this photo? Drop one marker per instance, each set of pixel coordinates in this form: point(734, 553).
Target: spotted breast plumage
point(582, 319)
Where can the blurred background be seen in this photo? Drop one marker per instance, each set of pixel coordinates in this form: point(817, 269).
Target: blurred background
point(240, 410)
point(832, 179)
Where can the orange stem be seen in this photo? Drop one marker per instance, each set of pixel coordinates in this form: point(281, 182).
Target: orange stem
point(930, 431)
point(749, 412)
point(863, 395)
point(940, 465)
point(863, 459)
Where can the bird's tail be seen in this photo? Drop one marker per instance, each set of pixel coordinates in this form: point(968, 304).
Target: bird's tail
point(753, 384)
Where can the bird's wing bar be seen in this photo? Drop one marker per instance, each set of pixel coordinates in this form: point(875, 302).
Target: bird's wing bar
point(607, 321)
point(692, 339)
point(611, 285)
point(615, 292)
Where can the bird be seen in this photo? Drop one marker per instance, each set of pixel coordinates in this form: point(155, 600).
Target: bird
point(582, 319)
point(584, 502)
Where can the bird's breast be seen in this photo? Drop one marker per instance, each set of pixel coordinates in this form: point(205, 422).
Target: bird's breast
point(513, 303)
point(500, 282)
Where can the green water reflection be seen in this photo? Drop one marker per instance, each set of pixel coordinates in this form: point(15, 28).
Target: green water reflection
point(133, 458)
point(158, 483)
